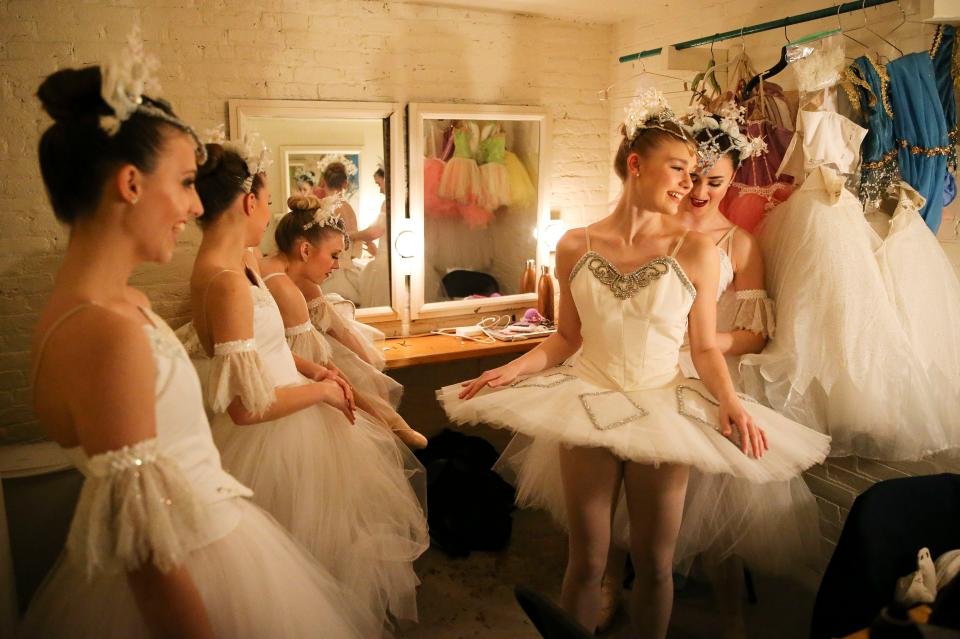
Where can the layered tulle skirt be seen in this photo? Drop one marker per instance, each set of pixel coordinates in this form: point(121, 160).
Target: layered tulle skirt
point(759, 509)
point(254, 582)
point(350, 493)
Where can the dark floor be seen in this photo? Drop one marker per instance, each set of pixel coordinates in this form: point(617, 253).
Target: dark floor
point(473, 597)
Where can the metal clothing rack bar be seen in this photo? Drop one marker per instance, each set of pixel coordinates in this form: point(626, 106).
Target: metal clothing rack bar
point(809, 16)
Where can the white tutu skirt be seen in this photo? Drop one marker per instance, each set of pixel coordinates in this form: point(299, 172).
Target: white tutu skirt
point(255, 582)
point(346, 492)
point(759, 509)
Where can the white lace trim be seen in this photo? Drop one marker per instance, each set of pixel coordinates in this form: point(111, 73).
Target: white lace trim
point(756, 312)
point(136, 507)
point(319, 314)
point(235, 346)
point(310, 344)
point(239, 373)
point(299, 329)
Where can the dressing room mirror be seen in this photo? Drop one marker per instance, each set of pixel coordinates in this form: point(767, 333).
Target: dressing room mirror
point(478, 203)
point(350, 151)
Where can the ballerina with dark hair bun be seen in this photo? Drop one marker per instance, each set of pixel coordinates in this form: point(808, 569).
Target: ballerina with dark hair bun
point(163, 541)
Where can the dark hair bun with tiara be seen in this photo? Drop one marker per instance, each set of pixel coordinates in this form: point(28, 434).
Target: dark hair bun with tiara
point(76, 155)
point(220, 182)
point(295, 225)
point(335, 175)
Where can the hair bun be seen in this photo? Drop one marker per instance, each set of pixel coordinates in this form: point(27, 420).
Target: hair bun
point(298, 203)
point(73, 94)
point(215, 155)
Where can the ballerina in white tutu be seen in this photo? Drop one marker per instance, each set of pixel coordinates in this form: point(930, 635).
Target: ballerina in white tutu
point(341, 488)
point(163, 541)
point(623, 413)
point(311, 239)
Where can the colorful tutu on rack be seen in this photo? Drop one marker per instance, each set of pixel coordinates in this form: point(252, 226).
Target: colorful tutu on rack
point(461, 181)
point(495, 181)
point(523, 193)
point(433, 204)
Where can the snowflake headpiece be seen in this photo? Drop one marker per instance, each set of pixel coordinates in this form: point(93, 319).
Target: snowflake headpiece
point(124, 83)
point(306, 175)
point(250, 148)
point(325, 214)
point(650, 110)
point(725, 123)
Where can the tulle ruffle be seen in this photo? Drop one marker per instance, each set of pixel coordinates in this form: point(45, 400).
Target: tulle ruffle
point(495, 183)
point(307, 342)
point(523, 193)
point(254, 582)
point(136, 507)
point(755, 312)
point(675, 423)
point(237, 371)
point(351, 494)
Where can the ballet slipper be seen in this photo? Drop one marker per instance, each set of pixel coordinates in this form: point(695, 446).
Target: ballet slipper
point(410, 437)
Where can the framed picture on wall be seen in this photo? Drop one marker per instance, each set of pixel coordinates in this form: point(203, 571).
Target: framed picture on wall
point(303, 167)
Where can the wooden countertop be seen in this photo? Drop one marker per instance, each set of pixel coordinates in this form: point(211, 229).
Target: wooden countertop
point(401, 352)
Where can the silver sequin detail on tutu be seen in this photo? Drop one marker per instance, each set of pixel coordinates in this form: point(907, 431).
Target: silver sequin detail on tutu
point(584, 397)
point(538, 381)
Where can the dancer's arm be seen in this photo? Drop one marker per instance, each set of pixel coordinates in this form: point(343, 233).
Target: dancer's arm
point(749, 277)
point(557, 348)
point(230, 310)
point(111, 401)
point(700, 260)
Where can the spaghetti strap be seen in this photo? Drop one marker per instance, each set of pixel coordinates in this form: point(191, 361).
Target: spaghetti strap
point(206, 290)
point(267, 277)
point(676, 248)
point(727, 237)
point(50, 331)
point(586, 232)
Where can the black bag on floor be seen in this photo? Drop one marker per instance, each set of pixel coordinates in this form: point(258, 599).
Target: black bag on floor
point(469, 505)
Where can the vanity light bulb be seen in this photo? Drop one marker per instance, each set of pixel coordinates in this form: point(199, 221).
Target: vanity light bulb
point(406, 244)
point(552, 233)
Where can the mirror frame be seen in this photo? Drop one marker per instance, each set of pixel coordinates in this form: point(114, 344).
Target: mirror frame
point(417, 113)
point(240, 111)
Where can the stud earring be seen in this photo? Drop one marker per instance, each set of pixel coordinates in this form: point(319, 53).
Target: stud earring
point(134, 199)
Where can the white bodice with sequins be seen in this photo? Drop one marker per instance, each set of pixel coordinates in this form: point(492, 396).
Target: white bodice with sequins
point(183, 435)
point(632, 324)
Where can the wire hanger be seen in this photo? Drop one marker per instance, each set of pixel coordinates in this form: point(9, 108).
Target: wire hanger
point(772, 71)
point(605, 94)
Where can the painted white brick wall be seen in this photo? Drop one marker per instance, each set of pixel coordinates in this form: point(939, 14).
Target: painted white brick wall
point(836, 483)
point(296, 49)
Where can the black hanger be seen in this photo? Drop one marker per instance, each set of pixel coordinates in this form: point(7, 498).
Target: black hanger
point(772, 71)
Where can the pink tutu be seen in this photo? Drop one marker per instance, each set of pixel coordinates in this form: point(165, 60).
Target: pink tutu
point(433, 204)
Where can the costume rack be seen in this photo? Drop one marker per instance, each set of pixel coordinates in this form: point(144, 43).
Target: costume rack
point(809, 16)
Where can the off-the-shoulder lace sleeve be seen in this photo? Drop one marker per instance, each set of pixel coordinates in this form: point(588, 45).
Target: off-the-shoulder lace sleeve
point(755, 312)
point(362, 337)
point(136, 507)
point(320, 314)
point(187, 335)
point(237, 371)
point(307, 342)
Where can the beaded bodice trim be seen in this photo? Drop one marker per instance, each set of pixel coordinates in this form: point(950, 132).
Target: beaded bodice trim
point(626, 285)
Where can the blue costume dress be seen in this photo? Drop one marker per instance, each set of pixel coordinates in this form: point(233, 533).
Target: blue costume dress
point(946, 58)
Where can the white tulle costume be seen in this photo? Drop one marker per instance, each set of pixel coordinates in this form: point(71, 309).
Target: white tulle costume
point(866, 347)
point(343, 490)
point(625, 392)
point(167, 501)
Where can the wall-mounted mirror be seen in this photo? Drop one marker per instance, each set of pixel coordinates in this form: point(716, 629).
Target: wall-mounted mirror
point(351, 152)
point(478, 199)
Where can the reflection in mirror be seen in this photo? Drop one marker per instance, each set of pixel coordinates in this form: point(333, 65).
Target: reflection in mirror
point(341, 161)
point(480, 206)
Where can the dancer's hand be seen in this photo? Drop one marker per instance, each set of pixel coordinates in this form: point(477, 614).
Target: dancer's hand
point(493, 378)
point(735, 418)
point(333, 394)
